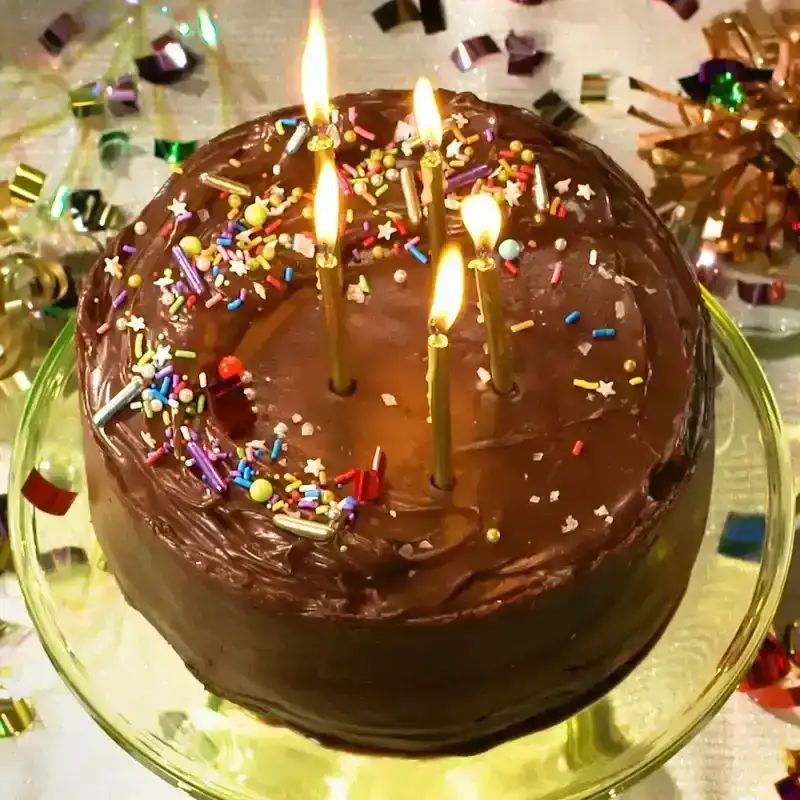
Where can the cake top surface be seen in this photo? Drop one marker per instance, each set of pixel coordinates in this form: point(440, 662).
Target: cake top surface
point(609, 359)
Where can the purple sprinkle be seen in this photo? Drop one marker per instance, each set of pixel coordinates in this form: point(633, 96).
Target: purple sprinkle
point(356, 256)
point(120, 298)
point(235, 474)
point(176, 379)
point(242, 294)
point(470, 176)
point(366, 225)
point(183, 217)
point(488, 134)
point(274, 499)
point(168, 433)
point(307, 504)
point(190, 273)
point(206, 467)
point(231, 226)
point(193, 435)
point(127, 248)
point(180, 288)
point(164, 371)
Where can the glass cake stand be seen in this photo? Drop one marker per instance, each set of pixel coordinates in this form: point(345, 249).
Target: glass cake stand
point(138, 690)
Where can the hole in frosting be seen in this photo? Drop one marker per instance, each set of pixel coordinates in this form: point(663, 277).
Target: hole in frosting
point(350, 390)
point(664, 478)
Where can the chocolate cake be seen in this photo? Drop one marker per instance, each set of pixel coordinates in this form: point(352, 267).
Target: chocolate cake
point(401, 617)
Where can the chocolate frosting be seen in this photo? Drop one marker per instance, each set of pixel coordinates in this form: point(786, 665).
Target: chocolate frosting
point(415, 560)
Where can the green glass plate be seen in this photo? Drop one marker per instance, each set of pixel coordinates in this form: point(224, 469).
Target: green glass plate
point(138, 690)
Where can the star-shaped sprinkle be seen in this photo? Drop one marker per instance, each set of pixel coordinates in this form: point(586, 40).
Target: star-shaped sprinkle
point(113, 268)
point(304, 245)
point(606, 388)
point(554, 495)
point(459, 120)
point(386, 231)
point(585, 191)
point(453, 149)
point(562, 187)
point(403, 131)
point(512, 193)
point(177, 207)
point(136, 324)
point(238, 267)
point(281, 429)
point(163, 282)
point(601, 511)
point(163, 354)
point(313, 466)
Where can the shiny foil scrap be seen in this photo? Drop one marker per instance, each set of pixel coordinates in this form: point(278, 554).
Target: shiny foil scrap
point(91, 213)
point(26, 187)
point(112, 146)
point(685, 9)
point(557, 111)
point(742, 536)
point(170, 62)
point(594, 88)
point(16, 716)
point(173, 152)
point(524, 57)
point(393, 13)
point(122, 96)
point(88, 100)
point(46, 496)
point(60, 33)
point(467, 53)
point(432, 13)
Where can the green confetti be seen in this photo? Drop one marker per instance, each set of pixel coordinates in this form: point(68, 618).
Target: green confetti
point(208, 30)
point(173, 152)
point(59, 204)
point(726, 91)
point(113, 145)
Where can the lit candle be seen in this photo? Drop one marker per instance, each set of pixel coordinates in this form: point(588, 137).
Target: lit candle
point(429, 124)
point(448, 293)
point(483, 220)
point(326, 225)
point(314, 77)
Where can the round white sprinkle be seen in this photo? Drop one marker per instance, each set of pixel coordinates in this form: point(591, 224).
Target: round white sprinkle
point(140, 228)
point(307, 429)
point(186, 395)
point(560, 244)
point(250, 394)
point(297, 418)
point(121, 324)
point(247, 377)
point(156, 405)
point(400, 276)
point(167, 299)
point(148, 372)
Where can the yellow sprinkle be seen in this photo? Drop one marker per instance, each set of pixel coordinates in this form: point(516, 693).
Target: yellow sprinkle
point(219, 280)
point(166, 418)
point(148, 409)
point(521, 326)
point(381, 190)
point(457, 133)
point(257, 241)
point(629, 365)
point(320, 510)
point(393, 215)
point(636, 381)
point(176, 168)
point(273, 237)
point(217, 259)
point(554, 205)
point(278, 506)
point(505, 165)
point(168, 272)
point(145, 359)
point(457, 162)
point(581, 384)
point(267, 147)
point(361, 172)
point(328, 496)
point(350, 216)
point(234, 162)
point(472, 139)
point(294, 485)
point(493, 535)
point(287, 476)
point(370, 199)
point(279, 128)
point(263, 261)
point(233, 213)
point(138, 345)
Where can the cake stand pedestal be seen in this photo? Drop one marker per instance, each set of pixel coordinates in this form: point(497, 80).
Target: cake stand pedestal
point(140, 693)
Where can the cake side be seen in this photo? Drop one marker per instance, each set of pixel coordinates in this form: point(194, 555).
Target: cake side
point(247, 605)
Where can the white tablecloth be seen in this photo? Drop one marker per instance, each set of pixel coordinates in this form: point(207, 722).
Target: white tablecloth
point(738, 756)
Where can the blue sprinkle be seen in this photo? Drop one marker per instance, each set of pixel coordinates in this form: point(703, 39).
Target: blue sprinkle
point(165, 386)
point(276, 450)
point(288, 274)
point(234, 304)
point(240, 227)
point(290, 121)
point(421, 257)
point(215, 271)
point(243, 483)
point(158, 396)
point(242, 465)
point(311, 493)
point(249, 473)
point(224, 241)
point(572, 317)
point(260, 452)
point(604, 333)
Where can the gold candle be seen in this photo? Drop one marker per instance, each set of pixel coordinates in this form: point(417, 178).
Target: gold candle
point(483, 220)
point(314, 78)
point(326, 224)
point(429, 123)
point(447, 297)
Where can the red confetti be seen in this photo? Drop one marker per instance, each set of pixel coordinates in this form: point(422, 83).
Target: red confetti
point(46, 496)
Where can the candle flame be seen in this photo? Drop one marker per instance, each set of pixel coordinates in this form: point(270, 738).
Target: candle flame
point(482, 219)
point(326, 206)
point(448, 293)
point(429, 122)
point(314, 76)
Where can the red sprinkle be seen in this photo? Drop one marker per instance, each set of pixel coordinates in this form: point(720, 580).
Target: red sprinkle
point(562, 212)
point(191, 300)
point(369, 241)
point(165, 229)
point(273, 226)
point(104, 328)
point(273, 281)
point(507, 154)
point(401, 227)
point(577, 447)
point(511, 267)
point(527, 169)
point(230, 366)
point(556, 274)
point(345, 477)
point(154, 456)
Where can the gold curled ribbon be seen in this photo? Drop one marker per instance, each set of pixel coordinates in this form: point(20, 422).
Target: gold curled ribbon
point(26, 188)
point(16, 716)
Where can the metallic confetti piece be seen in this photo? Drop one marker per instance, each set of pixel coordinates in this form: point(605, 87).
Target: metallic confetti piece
point(742, 536)
point(16, 715)
point(761, 294)
point(685, 9)
point(171, 61)
point(207, 28)
point(432, 14)
point(87, 100)
point(393, 13)
point(60, 33)
point(26, 188)
point(594, 88)
point(468, 52)
point(225, 184)
point(113, 145)
point(173, 152)
point(90, 213)
point(61, 557)
point(557, 111)
point(122, 95)
point(523, 55)
point(46, 496)
point(5, 545)
point(771, 665)
point(9, 217)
